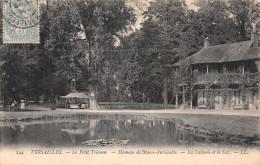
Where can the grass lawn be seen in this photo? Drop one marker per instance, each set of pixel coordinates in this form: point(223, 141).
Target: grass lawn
point(236, 125)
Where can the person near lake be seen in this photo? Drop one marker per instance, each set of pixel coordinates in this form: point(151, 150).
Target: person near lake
point(68, 104)
point(22, 106)
point(79, 104)
point(12, 106)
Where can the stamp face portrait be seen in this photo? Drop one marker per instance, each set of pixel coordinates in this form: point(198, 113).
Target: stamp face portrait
point(21, 18)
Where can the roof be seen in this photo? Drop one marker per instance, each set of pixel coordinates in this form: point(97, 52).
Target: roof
point(223, 53)
point(76, 95)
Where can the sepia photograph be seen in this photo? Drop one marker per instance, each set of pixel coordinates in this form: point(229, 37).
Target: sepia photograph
point(129, 82)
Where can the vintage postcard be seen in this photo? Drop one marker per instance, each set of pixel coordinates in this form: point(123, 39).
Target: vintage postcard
point(129, 82)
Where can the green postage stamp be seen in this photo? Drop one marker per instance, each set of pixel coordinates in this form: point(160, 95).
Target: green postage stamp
point(21, 21)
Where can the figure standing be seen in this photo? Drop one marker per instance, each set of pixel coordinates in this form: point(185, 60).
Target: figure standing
point(22, 105)
point(12, 106)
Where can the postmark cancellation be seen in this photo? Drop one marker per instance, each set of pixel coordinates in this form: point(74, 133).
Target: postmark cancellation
point(21, 21)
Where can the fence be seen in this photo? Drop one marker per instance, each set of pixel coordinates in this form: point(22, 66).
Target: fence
point(137, 106)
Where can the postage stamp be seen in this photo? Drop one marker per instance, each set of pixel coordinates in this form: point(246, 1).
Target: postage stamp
point(21, 21)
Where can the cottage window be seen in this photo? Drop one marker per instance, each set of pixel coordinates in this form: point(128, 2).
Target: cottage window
point(203, 97)
point(238, 69)
point(195, 71)
point(221, 69)
point(237, 97)
point(204, 70)
point(209, 69)
point(254, 96)
point(251, 67)
point(218, 98)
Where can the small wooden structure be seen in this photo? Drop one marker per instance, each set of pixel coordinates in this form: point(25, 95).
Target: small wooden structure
point(75, 100)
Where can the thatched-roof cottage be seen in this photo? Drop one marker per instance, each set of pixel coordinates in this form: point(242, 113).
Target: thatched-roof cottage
point(225, 76)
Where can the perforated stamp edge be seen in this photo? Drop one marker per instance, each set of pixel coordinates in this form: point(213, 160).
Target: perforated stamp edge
point(38, 25)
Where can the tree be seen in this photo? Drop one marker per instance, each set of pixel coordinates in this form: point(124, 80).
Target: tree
point(100, 21)
point(55, 57)
point(14, 74)
point(213, 20)
point(62, 53)
point(246, 14)
point(160, 42)
point(30, 71)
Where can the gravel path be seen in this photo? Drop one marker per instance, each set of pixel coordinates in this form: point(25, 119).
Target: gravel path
point(35, 112)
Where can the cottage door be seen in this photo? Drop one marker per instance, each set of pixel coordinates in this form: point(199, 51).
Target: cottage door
point(213, 98)
point(195, 99)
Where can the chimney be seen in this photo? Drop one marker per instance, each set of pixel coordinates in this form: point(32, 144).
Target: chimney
point(254, 38)
point(206, 42)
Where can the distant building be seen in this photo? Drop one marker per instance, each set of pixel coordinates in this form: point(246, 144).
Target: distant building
point(225, 76)
point(74, 99)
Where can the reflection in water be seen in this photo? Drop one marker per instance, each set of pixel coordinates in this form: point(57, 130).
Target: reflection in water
point(22, 126)
point(79, 128)
point(92, 126)
point(103, 142)
point(74, 132)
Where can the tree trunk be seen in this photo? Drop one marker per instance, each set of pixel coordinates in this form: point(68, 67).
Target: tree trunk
point(242, 30)
point(92, 86)
point(176, 101)
point(165, 94)
point(92, 98)
point(191, 97)
point(183, 97)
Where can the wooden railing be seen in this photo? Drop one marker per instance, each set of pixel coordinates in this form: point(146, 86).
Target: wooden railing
point(227, 78)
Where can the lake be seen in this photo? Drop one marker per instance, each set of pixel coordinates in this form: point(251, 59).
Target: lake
point(108, 132)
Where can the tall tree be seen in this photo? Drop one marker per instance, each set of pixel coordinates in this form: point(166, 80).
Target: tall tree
point(62, 53)
point(159, 44)
point(213, 20)
point(100, 21)
point(246, 13)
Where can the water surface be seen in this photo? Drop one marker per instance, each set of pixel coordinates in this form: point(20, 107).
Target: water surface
point(76, 132)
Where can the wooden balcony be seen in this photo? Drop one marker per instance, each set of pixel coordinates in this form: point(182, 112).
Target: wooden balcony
point(247, 79)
